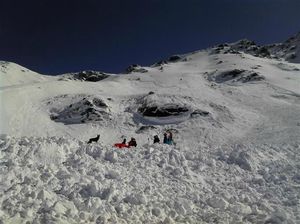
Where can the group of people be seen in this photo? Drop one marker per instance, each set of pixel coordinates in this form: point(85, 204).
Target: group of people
point(168, 138)
point(131, 143)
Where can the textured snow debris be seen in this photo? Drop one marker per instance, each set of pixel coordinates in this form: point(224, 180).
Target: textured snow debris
point(241, 209)
point(111, 156)
point(91, 190)
point(241, 158)
point(156, 211)
point(217, 202)
point(45, 195)
point(112, 174)
point(135, 199)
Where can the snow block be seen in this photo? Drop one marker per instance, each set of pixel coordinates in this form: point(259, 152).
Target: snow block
point(111, 157)
point(135, 199)
point(217, 202)
point(241, 158)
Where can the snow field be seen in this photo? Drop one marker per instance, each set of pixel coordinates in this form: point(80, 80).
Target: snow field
point(58, 180)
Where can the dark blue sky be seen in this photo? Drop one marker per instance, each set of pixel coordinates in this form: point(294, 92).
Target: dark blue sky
point(57, 36)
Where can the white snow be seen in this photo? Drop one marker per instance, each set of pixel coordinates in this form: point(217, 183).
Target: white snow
point(236, 157)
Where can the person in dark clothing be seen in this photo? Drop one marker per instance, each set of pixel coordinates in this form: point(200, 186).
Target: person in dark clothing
point(170, 139)
point(165, 138)
point(124, 141)
point(132, 142)
point(156, 139)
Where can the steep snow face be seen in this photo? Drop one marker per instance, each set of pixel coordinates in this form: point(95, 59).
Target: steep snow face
point(235, 121)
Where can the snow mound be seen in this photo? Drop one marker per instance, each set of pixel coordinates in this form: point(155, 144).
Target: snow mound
point(241, 158)
point(161, 109)
point(81, 109)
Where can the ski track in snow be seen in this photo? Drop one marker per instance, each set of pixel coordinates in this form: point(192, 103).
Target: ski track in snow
point(235, 161)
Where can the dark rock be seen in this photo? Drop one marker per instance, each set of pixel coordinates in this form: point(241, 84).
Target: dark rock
point(82, 111)
point(151, 93)
point(237, 75)
point(291, 56)
point(162, 62)
point(53, 117)
point(135, 68)
point(99, 103)
point(252, 77)
point(199, 113)
point(174, 58)
point(164, 111)
point(231, 74)
point(246, 42)
point(264, 52)
point(87, 103)
point(90, 76)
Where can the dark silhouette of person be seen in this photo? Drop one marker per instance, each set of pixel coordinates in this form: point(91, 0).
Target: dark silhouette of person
point(165, 141)
point(132, 142)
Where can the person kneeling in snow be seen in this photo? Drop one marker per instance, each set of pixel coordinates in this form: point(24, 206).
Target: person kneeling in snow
point(132, 142)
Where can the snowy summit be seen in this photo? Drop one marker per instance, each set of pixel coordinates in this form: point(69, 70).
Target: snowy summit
point(233, 110)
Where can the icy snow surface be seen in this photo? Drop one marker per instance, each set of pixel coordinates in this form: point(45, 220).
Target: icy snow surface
point(236, 157)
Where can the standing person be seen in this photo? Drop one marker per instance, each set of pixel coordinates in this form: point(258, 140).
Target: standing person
point(124, 141)
point(170, 138)
point(156, 139)
point(132, 142)
point(165, 141)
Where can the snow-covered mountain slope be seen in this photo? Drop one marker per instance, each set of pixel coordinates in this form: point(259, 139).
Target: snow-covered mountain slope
point(13, 75)
point(235, 120)
point(289, 50)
